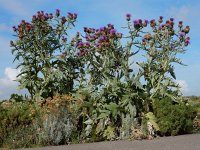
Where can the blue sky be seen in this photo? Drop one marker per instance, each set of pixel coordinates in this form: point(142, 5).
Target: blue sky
point(99, 13)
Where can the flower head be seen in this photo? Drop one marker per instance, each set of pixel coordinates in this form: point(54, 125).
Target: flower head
point(147, 37)
point(180, 24)
point(63, 20)
point(14, 28)
point(182, 34)
point(75, 15)
point(153, 23)
point(57, 12)
point(187, 41)
point(137, 23)
point(51, 16)
point(160, 19)
point(146, 22)
point(34, 18)
point(113, 31)
point(128, 17)
point(110, 26)
point(187, 29)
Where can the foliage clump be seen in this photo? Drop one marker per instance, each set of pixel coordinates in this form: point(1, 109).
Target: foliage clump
point(56, 121)
point(174, 119)
point(16, 125)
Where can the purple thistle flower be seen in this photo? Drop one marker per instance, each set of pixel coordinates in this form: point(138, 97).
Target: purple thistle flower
point(187, 42)
point(87, 38)
point(162, 26)
point(34, 18)
point(46, 16)
point(75, 15)
point(23, 22)
point(113, 31)
point(102, 38)
point(153, 23)
point(79, 45)
point(70, 16)
point(128, 17)
point(136, 22)
point(146, 21)
point(182, 34)
point(171, 19)
point(102, 28)
point(161, 17)
point(111, 26)
point(97, 44)
point(86, 44)
point(57, 12)
point(63, 20)
point(50, 15)
point(14, 28)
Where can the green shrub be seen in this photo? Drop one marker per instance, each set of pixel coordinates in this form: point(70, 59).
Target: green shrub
point(173, 119)
point(21, 137)
point(27, 124)
point(17, 124)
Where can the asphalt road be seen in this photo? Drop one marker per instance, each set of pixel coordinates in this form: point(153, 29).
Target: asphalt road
point(183, 142)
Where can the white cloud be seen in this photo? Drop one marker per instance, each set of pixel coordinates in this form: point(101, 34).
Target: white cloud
point(11, 74)
point(7, 83)
point(183, 86)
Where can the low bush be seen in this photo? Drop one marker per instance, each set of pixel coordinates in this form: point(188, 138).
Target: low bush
point(172, 118)
point(50, 122)
point(16, 125)
point(57, 120)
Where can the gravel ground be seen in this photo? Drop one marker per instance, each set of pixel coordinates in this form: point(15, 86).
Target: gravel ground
point(183, 142)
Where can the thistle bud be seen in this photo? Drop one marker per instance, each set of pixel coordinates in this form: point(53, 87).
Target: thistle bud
point(128, 17)
point(145, 23)
point(14, 28)
point(187, 29)
point(57, 12)
point(70, 16)
point(75, 16)
point(153, 23)
point(160, 19)
point(180, 25)
point(11, 43)
point(147, 37)
point(63, 20)
point(51, 16)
